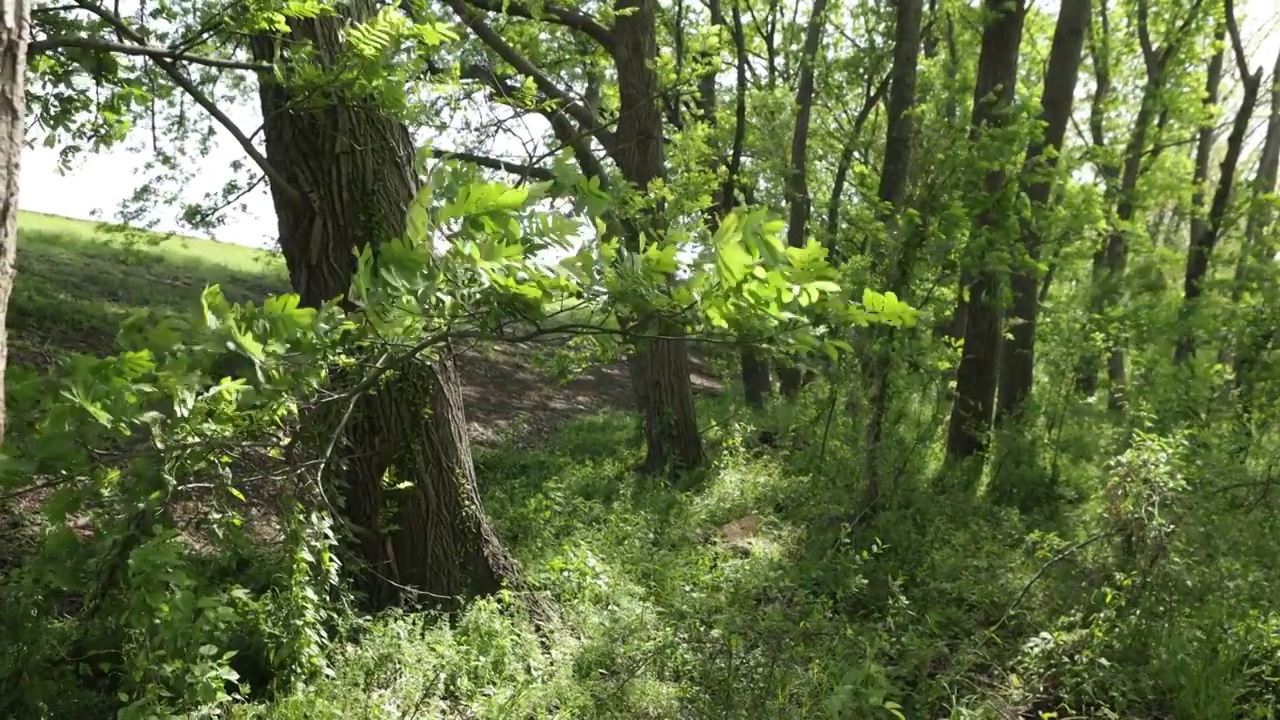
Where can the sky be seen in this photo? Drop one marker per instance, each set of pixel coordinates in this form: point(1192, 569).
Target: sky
point(97, 184)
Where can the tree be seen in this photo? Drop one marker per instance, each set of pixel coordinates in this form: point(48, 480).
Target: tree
point(345, 180)
point(341, 172)
point(798, 200)
point(15, 33)
point(894, 175)
point(1111, 259)
point(1017, 360)
point(660, 362)
point(1205, 234)
point(974, 405)
point(1256, 335)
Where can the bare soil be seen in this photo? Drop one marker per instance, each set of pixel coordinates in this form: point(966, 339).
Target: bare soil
point(504, 393)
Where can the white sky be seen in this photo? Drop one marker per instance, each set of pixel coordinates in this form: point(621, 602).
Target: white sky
point(98, 183)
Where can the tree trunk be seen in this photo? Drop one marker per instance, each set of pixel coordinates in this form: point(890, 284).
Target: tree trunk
point(1205, 240)
point(660, 365)
point(974, 404)
point(1090, 364)
point(428, 541)
point(1249, 347)
point(757, 384)
point(894, 174)
point(790, 377)
point(15, 32)
point(845, 163)
point(1017, 361)
point(1111, 261)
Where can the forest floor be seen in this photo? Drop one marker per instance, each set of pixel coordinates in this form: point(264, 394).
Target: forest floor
point(78, 280)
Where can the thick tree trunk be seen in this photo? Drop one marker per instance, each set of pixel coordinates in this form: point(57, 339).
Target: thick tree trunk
point(790, 377)
point(1017, 362)
point(428, 541)
point(971, 414)
point(15, 32)
point(660, 365)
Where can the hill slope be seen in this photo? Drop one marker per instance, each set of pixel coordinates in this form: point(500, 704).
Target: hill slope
point(78, 280)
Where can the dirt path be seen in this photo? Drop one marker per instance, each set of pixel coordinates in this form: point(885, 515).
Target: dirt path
point(504, 389)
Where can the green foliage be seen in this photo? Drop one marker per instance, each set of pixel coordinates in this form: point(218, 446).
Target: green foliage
point(178, 553)
point(206, 411)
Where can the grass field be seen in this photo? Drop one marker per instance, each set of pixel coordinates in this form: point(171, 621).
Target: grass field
point(78, 280)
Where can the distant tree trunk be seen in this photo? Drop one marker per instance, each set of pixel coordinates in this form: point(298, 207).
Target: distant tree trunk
point(1252, 338)
point(757, 384)
point(660, 365)
point(834, 204)
point(971, 413)
point(1205, 240)
point(797, 193)
point(893, 194)
point(1111, 260)
point(15, 32)
point(1017, 362)
point(1090, 363)
point(354, 168)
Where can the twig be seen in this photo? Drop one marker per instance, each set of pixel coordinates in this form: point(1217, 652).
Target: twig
point(278, 181)
point(1045, 567)
point(54, 43)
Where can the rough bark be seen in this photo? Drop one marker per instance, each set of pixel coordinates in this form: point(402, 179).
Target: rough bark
point(1017, 361)
point(893, 195)
point(15, 33)
point(660, 365)
point(797, 193)
point(971, 413)
point(1205, 240)
point(428, 542)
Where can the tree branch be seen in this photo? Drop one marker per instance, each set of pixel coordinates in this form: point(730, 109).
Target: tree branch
point(561, 125)
point(1144, 35)
point(572, 107)
point(581, 22)
point(1237, 45)
point(41, 46)
point(520, 169)
point(278, 181)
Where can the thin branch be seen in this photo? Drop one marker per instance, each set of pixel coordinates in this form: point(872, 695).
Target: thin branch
point(521, 169)
point(581, 22)
point(575, 109)
point(278, 181)
point(562, 126)
point(1045, 568)
point(207, 215)
point(41, 46)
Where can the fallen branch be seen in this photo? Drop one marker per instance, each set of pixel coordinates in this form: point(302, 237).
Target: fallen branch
point(1045, 567)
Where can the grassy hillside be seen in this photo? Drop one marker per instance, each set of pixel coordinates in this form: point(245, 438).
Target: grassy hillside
point(77, 280)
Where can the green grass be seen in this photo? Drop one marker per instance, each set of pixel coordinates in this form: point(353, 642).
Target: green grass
point(78, 280)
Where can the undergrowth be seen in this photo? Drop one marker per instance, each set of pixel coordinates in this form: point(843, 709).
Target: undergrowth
point(937, 606)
